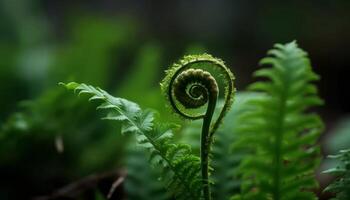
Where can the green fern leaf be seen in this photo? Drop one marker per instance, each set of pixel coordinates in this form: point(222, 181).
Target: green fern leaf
point(180, 167)
point(342, 184)
point(278, 131)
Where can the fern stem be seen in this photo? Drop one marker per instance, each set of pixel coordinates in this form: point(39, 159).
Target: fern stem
point(206, 141)
point(279, 138)
point(278, 156)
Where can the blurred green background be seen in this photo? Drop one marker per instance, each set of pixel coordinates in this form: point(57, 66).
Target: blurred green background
point(49, 138)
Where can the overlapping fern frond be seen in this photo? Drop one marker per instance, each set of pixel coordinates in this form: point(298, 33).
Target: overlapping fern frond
point(180, 168)
point(342, 184)
point(279, 131)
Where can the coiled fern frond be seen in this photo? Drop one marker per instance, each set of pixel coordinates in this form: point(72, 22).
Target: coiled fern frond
point(278, 131)
point(189, 86)
point(342, 185)
point(180, 168)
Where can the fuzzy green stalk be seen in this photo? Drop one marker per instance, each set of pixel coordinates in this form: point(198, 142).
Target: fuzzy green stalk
point(206, 140)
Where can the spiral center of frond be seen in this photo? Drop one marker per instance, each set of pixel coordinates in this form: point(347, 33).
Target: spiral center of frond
point(198, 91)
point(193, 87)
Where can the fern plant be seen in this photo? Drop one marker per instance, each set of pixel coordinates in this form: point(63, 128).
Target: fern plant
point(185, 174)
point(342, 184)
point(277, 130)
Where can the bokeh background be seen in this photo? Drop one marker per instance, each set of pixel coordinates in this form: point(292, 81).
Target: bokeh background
point(49, 138)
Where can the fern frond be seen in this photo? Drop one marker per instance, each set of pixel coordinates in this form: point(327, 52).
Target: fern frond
point(180, 167)
point(278, 131)
point(342, 184)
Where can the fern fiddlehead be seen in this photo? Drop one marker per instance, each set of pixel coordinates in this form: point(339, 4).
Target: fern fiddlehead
point(188, 89)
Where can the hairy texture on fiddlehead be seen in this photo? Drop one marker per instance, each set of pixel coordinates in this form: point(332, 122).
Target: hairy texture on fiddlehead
point(196, 85)
point(189, 89)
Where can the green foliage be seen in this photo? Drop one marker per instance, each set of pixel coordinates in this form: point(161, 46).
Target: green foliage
point(342, 184)
point(274, 155)
point(41, 124)
point(278, 132)
point(60, 130)
point(180, 167)
point(53, 117)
